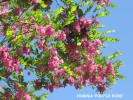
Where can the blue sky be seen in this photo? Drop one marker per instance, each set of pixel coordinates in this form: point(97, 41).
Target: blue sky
point(121, 20)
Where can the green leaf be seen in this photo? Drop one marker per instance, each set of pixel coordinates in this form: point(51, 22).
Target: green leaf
point(120, 76)
point(116, 54)
point(18, 39)
point(37, 14)
point(61, 45)
point(68, 2)
point(70, 19)
point(44, 96)
point(109, 39)
point(59, 11)
point(117, 64)
point(86, 3)
point(112, 5)
point(103, 14)
point(89, 8)
point(9, 34)
point(107, 32)
point(42, 3)
point(78, 41)
point(73, 8)
point(68, 70)
point(80, 13)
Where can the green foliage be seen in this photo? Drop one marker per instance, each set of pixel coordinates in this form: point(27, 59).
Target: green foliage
point(116, 54)
point(9, 34)
point(109, 39)
point(103, 14)
point(89, 8)
point(68, 2)
point(41, 2)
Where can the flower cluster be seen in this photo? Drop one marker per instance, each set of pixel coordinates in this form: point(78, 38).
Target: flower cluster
point(82, 23)
point(3, 8)
point(73, 51)
point(102, 2)
point(34, 1)
point(22, 94)
point(61, 36)
point(17, 11)
point(11, 63)
point(59, 73)
point(45, 31)
point(24, 50)
point(7, 95)
point(110, 69)
point(70, 80)
point(54, 61)
point(91, 47)
point(4, 12)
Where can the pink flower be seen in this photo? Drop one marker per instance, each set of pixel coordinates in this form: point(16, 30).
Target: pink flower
point(46, 17)
point(7, 74)
point(36, 6)
point(41, 30)
point(66, 30)
point(82, 21)
point(40, 69)
point(20, 52)
point(53, 51)
point(110, 69)
point(102, 87)
point(50, 87)
point(0, 89)
point(95, 21)
point(40, 45)
point(17, 11)
point(32, 19)
point(72, 50)
point(61, 61)
point(48, 4)
point(34, 1)
point(27, 97)
point(4, 49)
point(53, 63)
point(103, 2)
point(97, 43)
point(61, 36)
point(21, 94)
point(70, 80)
point(76, 26)
point(107, 3)
point(49, 30)
point(78, 71)
point(7, 94)
point(88, 22)
point(64, 16)
point(4, 12)
point(90, 47)
point(59, 73)
point(96, 80)
point(26, 50)
point(8, 60)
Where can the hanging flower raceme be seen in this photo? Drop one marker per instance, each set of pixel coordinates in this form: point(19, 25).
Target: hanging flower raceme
point(54, 61)
point(11, 63)
point(61, 36)
point(34, 1)
point(45, 31)
point(91, 47)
